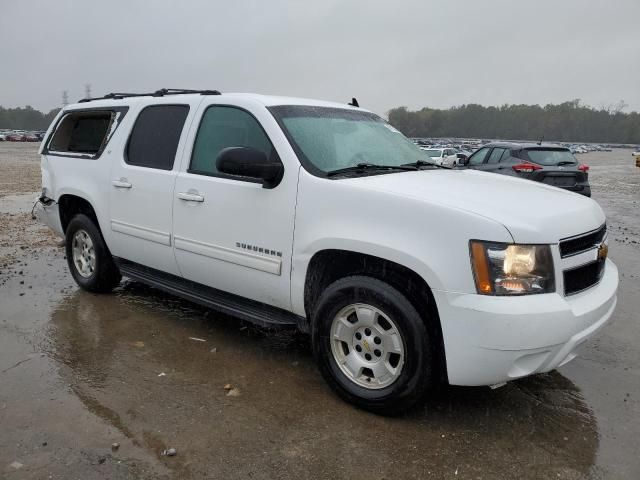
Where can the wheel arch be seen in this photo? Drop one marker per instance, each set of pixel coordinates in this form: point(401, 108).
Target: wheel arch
point(328, 265)
point(71, 204)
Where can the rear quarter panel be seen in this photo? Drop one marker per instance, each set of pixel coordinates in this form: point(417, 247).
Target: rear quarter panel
point(84, 177)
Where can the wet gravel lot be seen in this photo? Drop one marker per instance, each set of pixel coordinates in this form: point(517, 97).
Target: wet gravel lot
point(80, 372)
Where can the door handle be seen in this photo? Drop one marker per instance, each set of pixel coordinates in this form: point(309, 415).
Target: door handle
point(190, 197)
point(122, 183)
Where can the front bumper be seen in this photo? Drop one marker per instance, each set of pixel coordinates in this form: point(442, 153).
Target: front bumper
point(489, 340)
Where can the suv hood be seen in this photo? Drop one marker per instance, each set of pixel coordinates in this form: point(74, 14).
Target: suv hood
point(531, 211)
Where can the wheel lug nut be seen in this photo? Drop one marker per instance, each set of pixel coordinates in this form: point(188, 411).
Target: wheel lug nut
point(367, 356)
point(377, 352)
point(377, 341)
point(367, 331)
point(359, 336)
point(358, 348)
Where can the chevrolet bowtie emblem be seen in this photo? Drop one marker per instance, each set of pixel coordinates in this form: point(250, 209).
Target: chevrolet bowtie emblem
point(603, 251)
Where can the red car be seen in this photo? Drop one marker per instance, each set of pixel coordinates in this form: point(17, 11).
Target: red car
point(16, 137)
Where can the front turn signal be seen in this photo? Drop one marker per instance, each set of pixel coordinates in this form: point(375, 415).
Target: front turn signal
point(481, 268)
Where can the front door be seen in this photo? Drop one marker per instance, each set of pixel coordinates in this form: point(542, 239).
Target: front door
point(230, 232)
point(477, 160)
point(141, 187)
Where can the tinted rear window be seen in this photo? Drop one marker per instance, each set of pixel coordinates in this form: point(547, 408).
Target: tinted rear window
point(82, 132)
point(546, 156)
point(155, 136)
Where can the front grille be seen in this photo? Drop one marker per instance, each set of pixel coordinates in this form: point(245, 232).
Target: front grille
point(583, 277)
point(582, 243)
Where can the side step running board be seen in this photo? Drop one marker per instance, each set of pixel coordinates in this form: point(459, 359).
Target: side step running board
point(234, 305)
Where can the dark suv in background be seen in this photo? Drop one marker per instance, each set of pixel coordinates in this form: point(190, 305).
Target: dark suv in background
point(551, 164)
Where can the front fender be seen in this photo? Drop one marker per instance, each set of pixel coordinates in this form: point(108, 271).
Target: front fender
point(302, 259)
point(429, 238)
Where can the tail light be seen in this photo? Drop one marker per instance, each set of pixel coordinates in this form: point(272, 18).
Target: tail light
point(526, 167)
point(583, 168)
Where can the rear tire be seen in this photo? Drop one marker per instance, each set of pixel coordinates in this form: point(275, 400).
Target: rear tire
point(89, 259)
point(371, 345)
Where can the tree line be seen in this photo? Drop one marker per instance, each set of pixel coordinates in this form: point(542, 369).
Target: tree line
point(25, 118)
point(566, 122)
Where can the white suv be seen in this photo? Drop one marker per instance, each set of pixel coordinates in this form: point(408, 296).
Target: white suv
point(442, 156)
point(284, 211)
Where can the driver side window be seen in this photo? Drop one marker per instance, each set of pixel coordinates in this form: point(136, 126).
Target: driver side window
point(223, 127)
point(478, 157)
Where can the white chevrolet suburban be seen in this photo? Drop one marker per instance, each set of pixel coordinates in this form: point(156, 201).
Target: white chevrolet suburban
point(285, 211)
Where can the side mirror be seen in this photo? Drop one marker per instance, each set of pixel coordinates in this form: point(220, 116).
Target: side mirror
point(249, 162)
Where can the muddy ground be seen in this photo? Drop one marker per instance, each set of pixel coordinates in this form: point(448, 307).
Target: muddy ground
point(79, 372)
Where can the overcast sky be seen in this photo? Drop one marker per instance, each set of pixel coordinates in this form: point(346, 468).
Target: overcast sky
point(386, 53)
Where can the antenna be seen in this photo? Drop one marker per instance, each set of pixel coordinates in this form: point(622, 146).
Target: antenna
point(87, 90)
point(65, 98)
point(541, 139)
point(354, 102)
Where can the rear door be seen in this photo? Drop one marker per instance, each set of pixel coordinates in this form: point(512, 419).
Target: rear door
point(493, 161)
point(142, 183)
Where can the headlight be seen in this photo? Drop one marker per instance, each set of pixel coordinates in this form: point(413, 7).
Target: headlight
point(510, 269)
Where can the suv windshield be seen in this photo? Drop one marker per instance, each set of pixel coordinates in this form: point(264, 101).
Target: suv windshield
point(328, 139)
point(433, 153)
point(545, 156)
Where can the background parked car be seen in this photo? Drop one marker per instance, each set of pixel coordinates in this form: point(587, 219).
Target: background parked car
point(16, 137)
point(442, 156)
point(551, 164)
point(462, 156)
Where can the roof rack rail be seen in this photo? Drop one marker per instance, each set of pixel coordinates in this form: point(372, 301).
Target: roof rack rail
point(158, 93)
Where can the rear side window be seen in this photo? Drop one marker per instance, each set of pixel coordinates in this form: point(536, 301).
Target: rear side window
point(222, 127)
point(155, 136)
point(496, 154)
point(83, 133)
point(506, 155)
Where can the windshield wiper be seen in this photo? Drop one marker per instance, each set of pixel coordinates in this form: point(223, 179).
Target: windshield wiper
point(362, 167)
point(566, 162)
point(424, 163)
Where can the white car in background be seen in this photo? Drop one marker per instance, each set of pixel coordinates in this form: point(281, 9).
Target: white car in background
point(442, 156)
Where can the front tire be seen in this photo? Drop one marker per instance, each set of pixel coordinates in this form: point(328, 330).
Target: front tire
point(372, 346)
point(89, 259)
